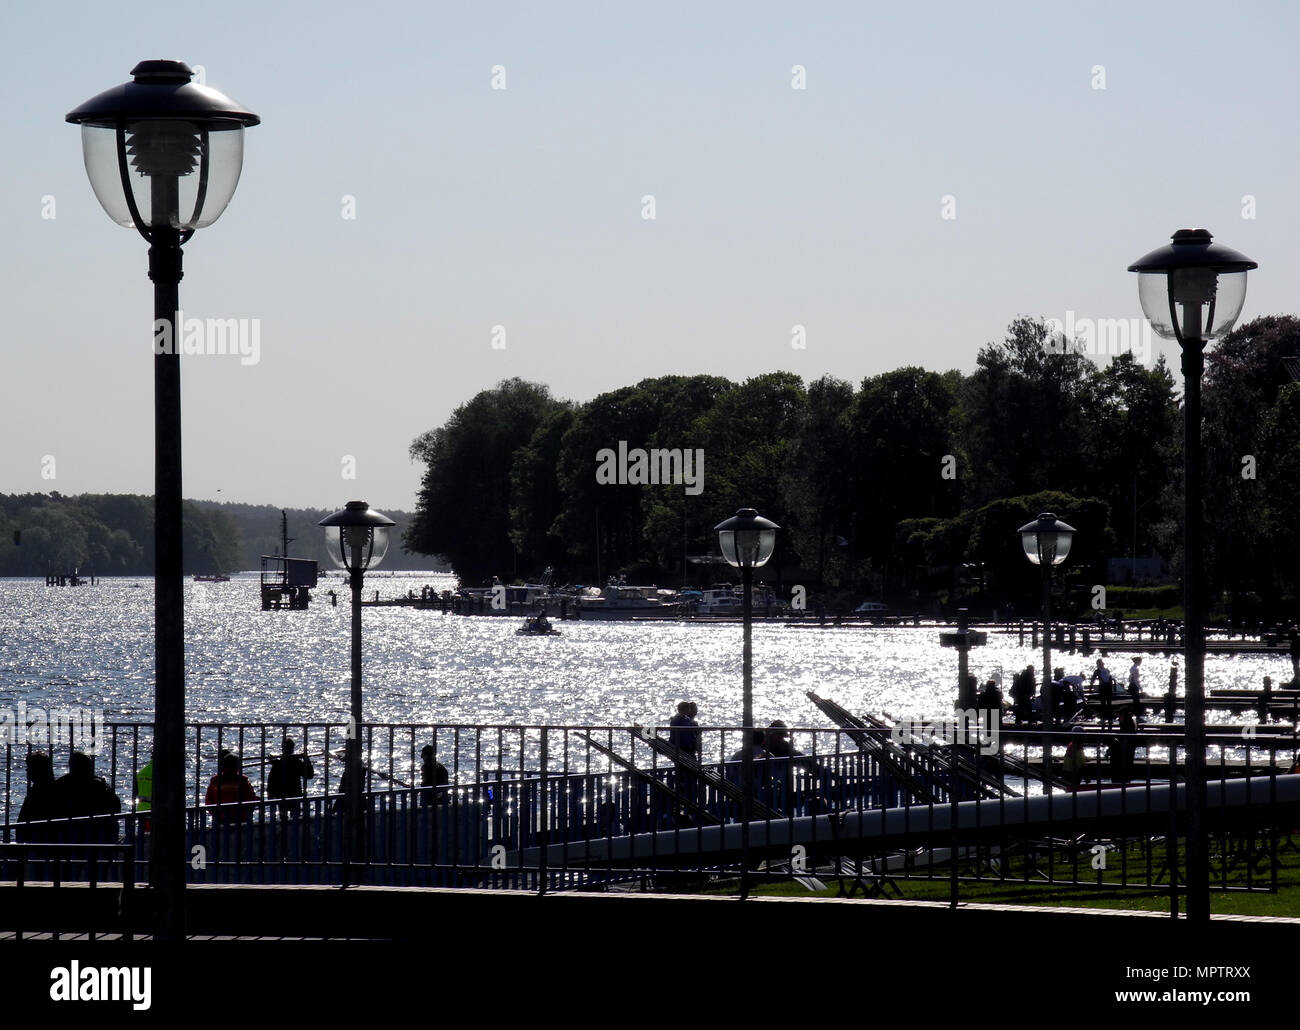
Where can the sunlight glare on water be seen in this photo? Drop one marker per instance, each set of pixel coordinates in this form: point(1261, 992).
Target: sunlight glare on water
point(93, 647)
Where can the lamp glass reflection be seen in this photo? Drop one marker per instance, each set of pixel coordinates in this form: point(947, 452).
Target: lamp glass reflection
point(181, 174)
point(1206, 304)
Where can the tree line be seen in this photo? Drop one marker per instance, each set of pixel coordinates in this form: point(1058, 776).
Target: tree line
point(113, 535)
point(911, 481)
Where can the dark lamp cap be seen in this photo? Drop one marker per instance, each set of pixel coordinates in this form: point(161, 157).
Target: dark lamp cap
point(1193, 248)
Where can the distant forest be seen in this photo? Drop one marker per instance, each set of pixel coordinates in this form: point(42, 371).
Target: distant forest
point(112, 535)
point(910, 484)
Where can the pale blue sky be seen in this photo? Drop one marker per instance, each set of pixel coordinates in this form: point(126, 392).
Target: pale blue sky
point(522, 207)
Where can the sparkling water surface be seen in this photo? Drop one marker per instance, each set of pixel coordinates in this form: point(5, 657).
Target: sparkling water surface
point(92, 647)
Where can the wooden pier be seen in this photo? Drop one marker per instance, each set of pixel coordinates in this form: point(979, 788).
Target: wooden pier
point(68, 579)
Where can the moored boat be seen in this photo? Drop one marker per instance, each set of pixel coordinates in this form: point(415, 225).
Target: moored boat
point(619, 601)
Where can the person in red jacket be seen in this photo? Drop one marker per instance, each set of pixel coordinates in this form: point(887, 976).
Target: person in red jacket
point(229, 790)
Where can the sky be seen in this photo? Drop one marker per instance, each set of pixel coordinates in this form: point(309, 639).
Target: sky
point(441, 196)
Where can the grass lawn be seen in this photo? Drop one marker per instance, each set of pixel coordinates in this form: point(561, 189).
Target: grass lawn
point(1013, 888)
point(1173, 614)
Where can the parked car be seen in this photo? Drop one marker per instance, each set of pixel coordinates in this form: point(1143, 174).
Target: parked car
point(872, 610)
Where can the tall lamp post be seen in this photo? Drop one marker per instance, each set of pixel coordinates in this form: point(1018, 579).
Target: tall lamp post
point(356, 539)
point(747, 540)
point(1046, 542)
point(164, 155)
point(1192, 291)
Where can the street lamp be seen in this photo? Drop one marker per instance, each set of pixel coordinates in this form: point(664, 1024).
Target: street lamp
point(1192, 291)
point(1046, 542)
point(356, 539)
point(163, 156)
point(747, 540)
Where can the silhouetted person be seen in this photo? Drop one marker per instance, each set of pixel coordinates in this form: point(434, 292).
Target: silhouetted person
point(144, 786)
point(289, 773)
point(755, 746)
point(1261, 707)
point(81, 794)
point(433, 775)
point(1105, 690)
point(1135, 686)
point(684, 732)
point(990, 700)
point(1076, 762)
point(143, 789)
point(967, 694)
point(1121, 751)
point(1071, 695)
point(41, 801)
point(1022, 694)
point(776, 739)
point(230, 791)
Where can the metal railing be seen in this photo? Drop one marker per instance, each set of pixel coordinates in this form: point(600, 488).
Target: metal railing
point(39, 867)
point(544, 808)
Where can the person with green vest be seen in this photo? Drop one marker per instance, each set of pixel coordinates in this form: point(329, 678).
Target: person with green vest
point(144, 789)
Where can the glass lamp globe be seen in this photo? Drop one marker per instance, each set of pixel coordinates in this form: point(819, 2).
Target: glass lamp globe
point(356, 538)
point(1193, 288)
point(1046, 541)
point(162, 150)
point(747, 539)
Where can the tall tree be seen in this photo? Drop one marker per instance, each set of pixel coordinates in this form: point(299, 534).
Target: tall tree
point(1028, 415)
point(820, 481)
point(1243, 375)
point(1137, 424)
point(905, 465)
point(463, 510)
point(536, 502)
point(747, 437)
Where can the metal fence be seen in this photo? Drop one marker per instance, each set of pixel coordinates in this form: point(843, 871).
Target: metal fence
point(542, 808)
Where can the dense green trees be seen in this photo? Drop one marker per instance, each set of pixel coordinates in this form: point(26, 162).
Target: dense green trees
point(1252, 454)
point(112, 535)
point(909, 476)
point(107, 534)
point(465, 499)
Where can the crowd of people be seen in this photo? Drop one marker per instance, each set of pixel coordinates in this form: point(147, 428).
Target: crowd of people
point(1066, 693)
point(83, 796)
point(773, 742)
point(78, 794)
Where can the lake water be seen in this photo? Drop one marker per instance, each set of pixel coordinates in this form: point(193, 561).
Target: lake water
point(92, 648)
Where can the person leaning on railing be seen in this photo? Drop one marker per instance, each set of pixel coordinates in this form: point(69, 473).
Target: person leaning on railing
point(433, 778)
point(41, 802)
point(289, 775)
point(230, 792)
point(144, 793)
point(88, 798)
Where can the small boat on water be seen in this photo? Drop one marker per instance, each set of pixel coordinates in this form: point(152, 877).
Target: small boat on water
point(537, 626)
point(216, 578)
